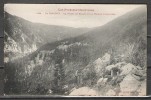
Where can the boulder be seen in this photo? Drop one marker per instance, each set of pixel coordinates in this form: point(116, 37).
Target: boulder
point(83, 91)
point(106, 58)
point(101, 63)
point(120, 64)
point(127, 69)
point(139, 74)
point(139, 68)
point(111, 93)
point(108, 68)
point(102, 81)
point(139, 78)
point(128, 85)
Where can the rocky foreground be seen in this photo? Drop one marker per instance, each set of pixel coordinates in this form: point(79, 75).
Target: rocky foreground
point(120, 79)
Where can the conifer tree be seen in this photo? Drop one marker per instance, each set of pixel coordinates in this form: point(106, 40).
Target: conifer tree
point(59, 74)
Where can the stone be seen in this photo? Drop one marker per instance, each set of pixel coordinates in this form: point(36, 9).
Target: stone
point(128, 85)
point(83, 91)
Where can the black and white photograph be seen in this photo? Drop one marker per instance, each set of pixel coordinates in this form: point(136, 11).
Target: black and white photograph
point(75, 49)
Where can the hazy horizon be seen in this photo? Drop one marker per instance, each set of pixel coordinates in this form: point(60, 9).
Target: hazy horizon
point(42, 13)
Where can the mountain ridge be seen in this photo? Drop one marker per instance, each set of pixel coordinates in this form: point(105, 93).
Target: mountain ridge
point(103, 58)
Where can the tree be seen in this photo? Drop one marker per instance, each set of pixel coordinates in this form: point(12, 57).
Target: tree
point(59, 74)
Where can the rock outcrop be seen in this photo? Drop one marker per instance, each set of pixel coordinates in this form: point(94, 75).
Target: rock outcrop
point(101, 63)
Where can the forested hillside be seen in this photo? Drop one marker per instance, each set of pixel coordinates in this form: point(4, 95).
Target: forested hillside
point(106, 60)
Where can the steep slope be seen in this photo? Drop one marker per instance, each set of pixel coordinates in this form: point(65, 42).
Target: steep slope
point(23, 37)
point(127, 30)
point(85, 56)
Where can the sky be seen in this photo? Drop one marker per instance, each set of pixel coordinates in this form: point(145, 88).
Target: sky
point(72, 15)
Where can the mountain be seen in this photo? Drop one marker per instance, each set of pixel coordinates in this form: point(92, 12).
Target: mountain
point(111, 54)
point(129, 29)
point(23, 37)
